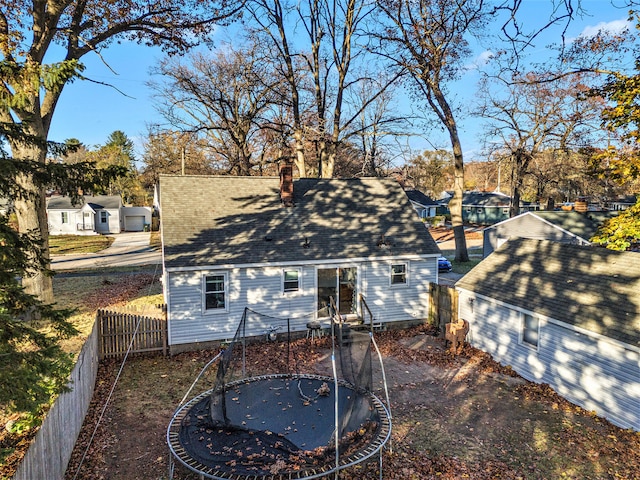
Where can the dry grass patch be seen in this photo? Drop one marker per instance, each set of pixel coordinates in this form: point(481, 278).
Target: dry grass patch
point(67, 244)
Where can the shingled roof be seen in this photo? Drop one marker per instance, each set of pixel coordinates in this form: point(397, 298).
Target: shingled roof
point(97, 203)
point(585, 225)
point(419, 197)
point(222, 220)
point(588, 287)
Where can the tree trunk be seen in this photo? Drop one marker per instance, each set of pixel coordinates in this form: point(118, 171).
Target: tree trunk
point(455, 204)
point(31, 211)
point(299, 146)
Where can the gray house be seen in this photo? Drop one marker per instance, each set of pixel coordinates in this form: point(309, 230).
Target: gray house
point(565, 315)
point(558, 226)
point(487, 208)
point(283, 247)
point(425, 206)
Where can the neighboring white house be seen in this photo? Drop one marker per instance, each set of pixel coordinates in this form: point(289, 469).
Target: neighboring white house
point(93, 215)
point(90, 216)
point(283, 247)
point(136, 219)
point(565, 315)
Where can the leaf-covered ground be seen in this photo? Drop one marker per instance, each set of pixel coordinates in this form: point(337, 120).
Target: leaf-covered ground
point(86, 292)
point(453, 417)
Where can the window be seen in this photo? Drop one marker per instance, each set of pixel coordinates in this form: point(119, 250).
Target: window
point(291, 280)
point(214, 292)
point(399, 274)
point(103, 216)
point(530, 330)
point(65, 217)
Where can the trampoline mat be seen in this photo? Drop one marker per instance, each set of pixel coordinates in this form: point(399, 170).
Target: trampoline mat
point(277, 424)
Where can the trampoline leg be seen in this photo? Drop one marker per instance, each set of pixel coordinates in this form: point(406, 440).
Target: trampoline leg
point(171, 466)
point(380, 465)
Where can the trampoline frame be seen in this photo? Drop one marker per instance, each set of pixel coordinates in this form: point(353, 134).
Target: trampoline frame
point(177, 451)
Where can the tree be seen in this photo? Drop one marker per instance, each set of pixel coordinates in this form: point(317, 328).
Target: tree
point(378, 125)
point(225, 98)
point(31, 88)
point(321, 69)
point(430, 170)
point(621, 232)
point(118, 152)
point(34, 368)
point(529, 117)
point(621, 118)
point(169, 152)
point(429, 40)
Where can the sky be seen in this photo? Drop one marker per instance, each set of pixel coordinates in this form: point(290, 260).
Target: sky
point(90, 112)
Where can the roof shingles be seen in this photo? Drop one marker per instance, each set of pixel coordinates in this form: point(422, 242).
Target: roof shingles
point(587, 287)
point(219, 220)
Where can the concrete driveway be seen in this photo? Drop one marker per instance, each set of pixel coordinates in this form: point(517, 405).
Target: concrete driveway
point(128, 249)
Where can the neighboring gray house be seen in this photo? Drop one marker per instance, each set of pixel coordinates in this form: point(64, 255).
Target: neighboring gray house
point(487, 208)
point(558, 226)
point(565, 315)
point(622, 203)
point(283, 247)
point(425, 206)
point(103, 214)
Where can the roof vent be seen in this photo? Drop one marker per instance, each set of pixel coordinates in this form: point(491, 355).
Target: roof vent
point(286, 185)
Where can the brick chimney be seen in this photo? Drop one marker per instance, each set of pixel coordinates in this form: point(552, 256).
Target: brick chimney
point(286, 184)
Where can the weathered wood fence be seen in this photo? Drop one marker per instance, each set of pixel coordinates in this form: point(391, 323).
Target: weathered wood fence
point(117, 329)
point(443, 306)
point(49, 454)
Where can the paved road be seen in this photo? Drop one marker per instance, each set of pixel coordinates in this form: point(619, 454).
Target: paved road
point(128, 249)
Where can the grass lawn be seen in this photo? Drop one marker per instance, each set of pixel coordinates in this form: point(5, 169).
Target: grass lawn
point(66, 244)
point(155, 240)
point(89, 290)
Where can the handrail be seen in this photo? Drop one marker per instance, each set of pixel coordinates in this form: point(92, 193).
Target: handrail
point(333, 309)
point(363, 307)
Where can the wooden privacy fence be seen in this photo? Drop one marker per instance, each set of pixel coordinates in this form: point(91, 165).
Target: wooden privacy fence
point(443, 306)
point(117, 328)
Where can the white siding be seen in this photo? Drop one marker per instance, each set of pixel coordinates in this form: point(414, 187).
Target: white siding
point(594, 372)
point(113, 221)
point(131, 218)
point(261, 290)
point(399, 302)
point(73, 226)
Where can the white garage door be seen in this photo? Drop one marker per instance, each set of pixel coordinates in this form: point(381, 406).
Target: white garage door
point(134, 223)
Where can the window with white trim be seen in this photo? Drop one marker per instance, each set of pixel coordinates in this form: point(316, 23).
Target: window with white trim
point(215, 295)
point(291, 280)
point(399, 274)
point(65, 217)
point(103, 217)
point(530, 330)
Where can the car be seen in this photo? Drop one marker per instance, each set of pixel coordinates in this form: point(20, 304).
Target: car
point(444, 265)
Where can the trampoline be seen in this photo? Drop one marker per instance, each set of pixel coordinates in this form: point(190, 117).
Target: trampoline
point(281, 426)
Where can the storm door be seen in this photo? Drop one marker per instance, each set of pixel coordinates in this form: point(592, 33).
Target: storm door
point(342, 285)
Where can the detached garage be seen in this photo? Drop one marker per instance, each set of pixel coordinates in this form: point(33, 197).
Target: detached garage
point(565, 315)
point(135, 218)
